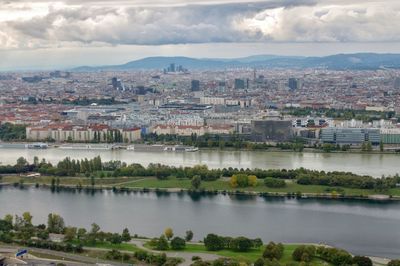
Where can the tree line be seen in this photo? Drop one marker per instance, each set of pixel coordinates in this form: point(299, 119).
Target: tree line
point(239, 177)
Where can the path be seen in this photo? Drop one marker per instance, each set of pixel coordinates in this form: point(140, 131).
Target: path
point(187, 256)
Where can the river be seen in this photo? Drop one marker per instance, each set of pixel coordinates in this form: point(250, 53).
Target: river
point(365, 164)
point(365, 228)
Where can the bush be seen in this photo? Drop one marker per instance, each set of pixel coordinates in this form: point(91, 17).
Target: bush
point(335, 256)
point(362, 261)
point(241, 244)
point(303, 253)
point(160, 243)
point(394, 263)
point(213, 242)
point(274, 183)
point(273, 251)
point(178, 243)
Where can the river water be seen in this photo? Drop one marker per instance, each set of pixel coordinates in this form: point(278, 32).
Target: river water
point(368, 164)
point(365, 228)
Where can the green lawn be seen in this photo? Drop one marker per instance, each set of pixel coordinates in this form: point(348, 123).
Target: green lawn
point(122, 246)
point(224, 185)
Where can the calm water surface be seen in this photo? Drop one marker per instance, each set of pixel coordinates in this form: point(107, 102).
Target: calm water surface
point(361, 227)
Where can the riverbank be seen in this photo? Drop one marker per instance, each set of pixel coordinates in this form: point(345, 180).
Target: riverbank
point(392, 149)
point(374, 165)
point(220, 186)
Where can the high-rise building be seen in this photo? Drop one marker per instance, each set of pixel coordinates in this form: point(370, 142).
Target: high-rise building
point(239, 84)
point(397, 83)
point(171, 67)
point(293, 84)
point(195, 85)
point(117, 84)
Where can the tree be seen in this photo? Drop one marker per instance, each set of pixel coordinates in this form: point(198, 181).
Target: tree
point(252, 180)
point(8, 218)
point(273, 251)
point(168, 233)
point(21, 161)
point(196, 182)
point(27, 218)
point(259, 262)
point(115, 238)
point(70, 234)
point(178, 243)
point(394, 263)
point(213, 242)
point(274, 182)
point(81, 233)
point(126, 236)
point(241, 244)
point(162, 243)
point(189, 235)
point(304, 253)
point(55, 223)
point(362, 261)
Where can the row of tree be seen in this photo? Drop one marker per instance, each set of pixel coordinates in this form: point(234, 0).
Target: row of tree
point(215, 242)
point(239, 177)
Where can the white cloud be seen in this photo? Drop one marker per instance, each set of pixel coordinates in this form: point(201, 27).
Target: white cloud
point(36, 24)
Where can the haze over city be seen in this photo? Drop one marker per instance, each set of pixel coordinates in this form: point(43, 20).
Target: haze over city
point(47, 34)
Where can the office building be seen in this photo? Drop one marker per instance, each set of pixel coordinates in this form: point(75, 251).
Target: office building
point(195, 85)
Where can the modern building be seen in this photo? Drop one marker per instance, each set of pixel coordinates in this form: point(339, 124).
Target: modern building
point(397, 83)
point(294, 84)
point(195, 85)
point(117, 84)
point(239, 84)
point(350, 135)
point(390, 135)
point(271, 130)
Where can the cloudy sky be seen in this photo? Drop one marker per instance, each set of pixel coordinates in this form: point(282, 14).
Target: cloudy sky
point(46, 34)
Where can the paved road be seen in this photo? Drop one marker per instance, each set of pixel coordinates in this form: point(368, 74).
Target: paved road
point(68, 256)
point(187, 256)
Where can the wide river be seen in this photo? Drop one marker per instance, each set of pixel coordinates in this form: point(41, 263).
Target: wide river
point(368, 164)
point(365, 228)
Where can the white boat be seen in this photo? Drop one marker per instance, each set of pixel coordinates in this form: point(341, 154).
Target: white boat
point(130, 148)
point(36, 146)
point(86, 147)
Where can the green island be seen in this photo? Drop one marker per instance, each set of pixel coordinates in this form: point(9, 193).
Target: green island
point(92, 174)
point(59, 242)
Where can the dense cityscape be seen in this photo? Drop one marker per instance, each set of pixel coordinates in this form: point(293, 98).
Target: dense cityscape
point(260, 105)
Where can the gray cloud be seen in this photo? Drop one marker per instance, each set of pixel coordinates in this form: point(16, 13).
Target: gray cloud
point(70, 23)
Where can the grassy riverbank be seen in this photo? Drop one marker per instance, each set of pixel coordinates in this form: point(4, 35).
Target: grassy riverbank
point(251, 255)
point(173, 183)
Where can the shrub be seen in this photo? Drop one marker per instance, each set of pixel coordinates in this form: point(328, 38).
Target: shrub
point(394, 263)
point(213, 242)
point(178, 243)
point(303, 253)
point(274, 183)
point(273, 251)
point(241, 244)
point(362, 261)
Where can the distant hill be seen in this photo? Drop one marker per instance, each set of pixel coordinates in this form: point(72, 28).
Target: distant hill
point(335, 62)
